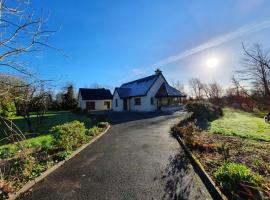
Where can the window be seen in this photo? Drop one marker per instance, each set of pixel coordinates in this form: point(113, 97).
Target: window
point(116, 102)
point(152, 101)
point(137, 101)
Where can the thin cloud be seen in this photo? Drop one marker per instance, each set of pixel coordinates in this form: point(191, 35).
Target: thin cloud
point(137, 71)
point(244, 30)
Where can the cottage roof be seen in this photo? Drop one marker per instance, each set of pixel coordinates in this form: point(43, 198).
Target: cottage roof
point(138, 87)
point(95, 94)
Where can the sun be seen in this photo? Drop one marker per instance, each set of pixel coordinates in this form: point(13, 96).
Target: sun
point(212, 62)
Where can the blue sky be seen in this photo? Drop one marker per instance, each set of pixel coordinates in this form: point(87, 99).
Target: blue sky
point(111, 42)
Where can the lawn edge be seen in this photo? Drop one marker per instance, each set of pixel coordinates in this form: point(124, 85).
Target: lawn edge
point(199, 169)
point(46, 173)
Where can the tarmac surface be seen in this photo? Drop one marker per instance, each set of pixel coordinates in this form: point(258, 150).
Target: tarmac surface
point(136, 159)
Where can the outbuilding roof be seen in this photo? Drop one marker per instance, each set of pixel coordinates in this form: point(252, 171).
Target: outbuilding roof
point(95, 94)
point(166, 90)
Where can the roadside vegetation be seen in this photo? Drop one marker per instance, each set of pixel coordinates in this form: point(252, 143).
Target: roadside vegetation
point(238, 162)
point(229, 130)
point(42, 152)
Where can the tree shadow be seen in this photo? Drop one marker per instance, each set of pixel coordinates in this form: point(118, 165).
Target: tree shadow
point(122, 117)
point(203, 124)
point(179, 179)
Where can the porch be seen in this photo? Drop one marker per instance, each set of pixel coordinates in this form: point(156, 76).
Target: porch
point(169, 103)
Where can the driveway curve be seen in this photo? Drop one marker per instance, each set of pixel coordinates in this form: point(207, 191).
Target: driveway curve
point(133, 160)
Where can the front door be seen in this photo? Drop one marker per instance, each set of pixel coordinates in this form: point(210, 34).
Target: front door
point(125, 104)
point(90, 105)
point(107, 104)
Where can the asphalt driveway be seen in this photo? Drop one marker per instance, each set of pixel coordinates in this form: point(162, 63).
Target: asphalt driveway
point(133, 160)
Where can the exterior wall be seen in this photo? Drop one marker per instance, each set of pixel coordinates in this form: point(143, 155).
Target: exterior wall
point(99, 104)
point(80, 102)
point(146, 100)
point(120, 102)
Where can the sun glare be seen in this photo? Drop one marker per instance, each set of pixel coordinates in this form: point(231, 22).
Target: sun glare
point(212, 62)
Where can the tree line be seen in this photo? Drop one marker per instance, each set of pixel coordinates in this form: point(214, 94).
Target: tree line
point(250, 85)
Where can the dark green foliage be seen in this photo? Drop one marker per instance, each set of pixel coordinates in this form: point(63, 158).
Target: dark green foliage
point(203, 110)
point(61, 156)
point(234, 178)
point(69, 100)
point(69, 135)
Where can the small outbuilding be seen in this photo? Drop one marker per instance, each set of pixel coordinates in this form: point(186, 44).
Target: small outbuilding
point(94, 99)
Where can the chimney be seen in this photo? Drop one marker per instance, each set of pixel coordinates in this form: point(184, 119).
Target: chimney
point(158, 72)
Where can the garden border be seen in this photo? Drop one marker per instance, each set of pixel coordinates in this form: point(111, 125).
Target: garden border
point(31, 183)
point(199, 169)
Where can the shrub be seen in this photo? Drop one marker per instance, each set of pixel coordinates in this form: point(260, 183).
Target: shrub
point(69, 135)
point(234, 177)
point(102, 124)
point(93, 131)
point(202, 110)
point(7, 109)
point(26, 168)
point(61, 156)
point(187, 132)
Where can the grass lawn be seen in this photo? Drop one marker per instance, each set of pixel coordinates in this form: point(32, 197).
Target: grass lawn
point(9, 150)
point(51, 119)
point(240, 123)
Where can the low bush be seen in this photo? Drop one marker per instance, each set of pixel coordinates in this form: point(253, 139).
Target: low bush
point(92, 132)
point(187, 132)
point(102, 124)
point(70, 135)
point(203, 110)
point(61, 156)
point(7, 109)
point(237, 181)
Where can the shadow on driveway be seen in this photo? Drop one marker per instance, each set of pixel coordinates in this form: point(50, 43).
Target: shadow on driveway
point(122, 117)
point(180, 180)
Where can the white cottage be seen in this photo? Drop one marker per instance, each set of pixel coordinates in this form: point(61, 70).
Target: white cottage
point(147, 94)
point(94, 99)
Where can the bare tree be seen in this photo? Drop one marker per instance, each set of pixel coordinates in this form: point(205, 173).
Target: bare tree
point(22, 33)
point(196, 87)
point(33, 99)
point(215, 90)
point(236, 88)
point(178, 85)
point(256, 71)
point(206, 90)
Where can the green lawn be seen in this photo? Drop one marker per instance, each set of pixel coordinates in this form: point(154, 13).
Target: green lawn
point(240, 123)
point(51, 119)
point(9, 150)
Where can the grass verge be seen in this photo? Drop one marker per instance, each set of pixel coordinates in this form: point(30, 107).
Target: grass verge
point(242, 124)
point(226, 157)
